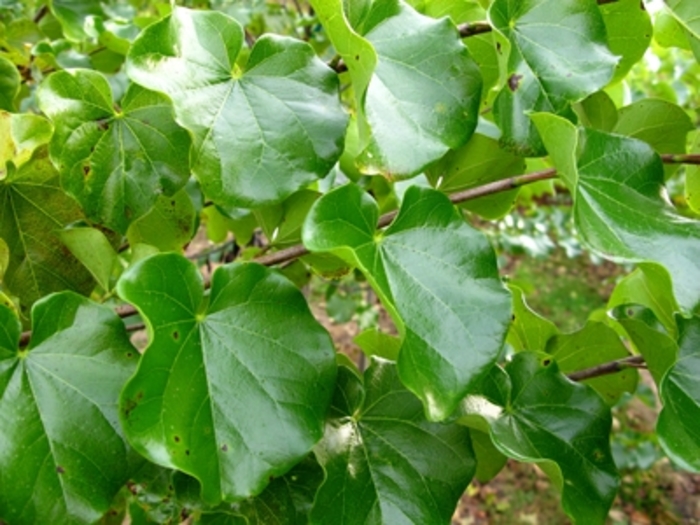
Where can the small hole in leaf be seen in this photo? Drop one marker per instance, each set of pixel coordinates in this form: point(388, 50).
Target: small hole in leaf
point(187, 452)
point(176, 335)
point(86, 170)
point(129, 354)
point(547, 362)
point(177, 439)
point(512, 317)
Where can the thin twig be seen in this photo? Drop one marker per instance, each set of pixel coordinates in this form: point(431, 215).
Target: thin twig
point(672, 158)
point(636, 361)
point(473, 28)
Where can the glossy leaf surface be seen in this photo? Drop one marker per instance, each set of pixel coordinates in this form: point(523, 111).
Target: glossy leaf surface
point(678, 426)
point(427, 264)
point(231, 390)
point(114, 161)
point(9, 84)
point(537, 415)
point(259, 134)
point(62, 454)
point(384, 462)
point(619, 209)
point(425, 91)
point(558, 55)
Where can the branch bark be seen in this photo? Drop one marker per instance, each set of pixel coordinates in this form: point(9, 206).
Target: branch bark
point(636, 361)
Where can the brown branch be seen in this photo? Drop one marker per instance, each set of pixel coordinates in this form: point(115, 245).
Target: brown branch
point(41, 13)
point(672, 158)
point(473, 28)
point(636, 361)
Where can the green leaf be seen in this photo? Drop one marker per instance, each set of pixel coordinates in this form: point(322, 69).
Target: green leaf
point(692, 177)
point(282, 222)
point(169, 226)
point(72, 15)
point(678, 426)
point(384, 462)
point(597, 111)
point(686, 12)
point(428, 260)
point(537, 415)
point(668, 32)
point(425, 91)
point(253, 340)
point(114, 160)
point(529, 330)
point(62, 454)
point(660, 124)
point(594, 344)
point(20, 135)
point(9, 84)
point(649, 286)
point(478, 162)
point(558, 55)
point(619, 210)
point(659, 350)
point(489, 460)
point(33, 210)
point(375, 342)
point(259, 134)
point(92, 248)
point(629, 30)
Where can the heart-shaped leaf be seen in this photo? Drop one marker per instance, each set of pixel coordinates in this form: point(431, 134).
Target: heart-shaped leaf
point(619, 210)
point(415, 83)
point(537, 415)
point(259, 134)
point(114, 161)
point(233, 388)
point(678, 426)
point(428, 264)
point(558, 55)
point(384, 462)
point(62, 454)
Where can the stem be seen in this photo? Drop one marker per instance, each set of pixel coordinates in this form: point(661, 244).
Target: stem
point(672, 158)
point(636, 361)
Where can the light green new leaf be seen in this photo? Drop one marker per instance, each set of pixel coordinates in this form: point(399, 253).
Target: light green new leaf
point(529, 330)
point(114, 161)
point(384, 462)
point(480, 161)
point(72, 15)
point(662, 125)
point(649, 286)
point(687, 12)
point(558, 55)
point(33, 210)
point(537, 415)
point(62, 455)
point(9, 84)
point(429, 264)
point(678, 426)
point(232, 388)
point(592, 345)
point(629, 29)
point(20, 135)
point(259, 134)
point(617, 183)
point(425, 91)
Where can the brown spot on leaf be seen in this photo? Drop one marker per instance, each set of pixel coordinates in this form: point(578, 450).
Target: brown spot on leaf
point(187, 452)
point(177, 439)
point(546, 362)
point(176, 335)
point(224, 447)
point(60, 469)
point(514, 82)
point(103, 125)
point(86, 170)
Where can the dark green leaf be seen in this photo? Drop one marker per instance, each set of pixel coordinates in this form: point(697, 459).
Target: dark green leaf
point(384, 462)
point(558, 55)
point(425, 91)
point(33, 210)
point(678, 426)
point(114, 161)
point(594, 344)
point(72, 15)
point(538, 415)
point(253, 341)
point(489, 460)
point(62, 456)
point(619, 209)
point(428, 264)
point(259, 134)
